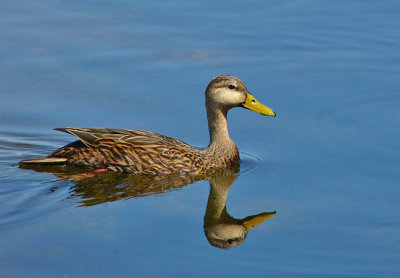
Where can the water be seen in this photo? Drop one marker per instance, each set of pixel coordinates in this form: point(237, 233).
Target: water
point(328, 164)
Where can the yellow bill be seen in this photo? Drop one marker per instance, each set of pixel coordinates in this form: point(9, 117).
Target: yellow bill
point(254, 105)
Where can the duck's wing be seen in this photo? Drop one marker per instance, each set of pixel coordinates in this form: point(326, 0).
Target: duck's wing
point(94, 137)
point(130, 150)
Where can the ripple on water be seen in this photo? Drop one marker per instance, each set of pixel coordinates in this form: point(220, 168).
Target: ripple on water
point(250, 163)
point(16, 145)
point(24, 194)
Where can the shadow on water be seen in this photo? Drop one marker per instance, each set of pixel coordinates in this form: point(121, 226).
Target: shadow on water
point(221, 229)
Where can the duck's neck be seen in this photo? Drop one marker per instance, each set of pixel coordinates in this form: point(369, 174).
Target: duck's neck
point(220, 142)
point(217, 126)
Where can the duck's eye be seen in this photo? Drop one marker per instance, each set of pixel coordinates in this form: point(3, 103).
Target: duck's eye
point(231, 241)
point(231, 86)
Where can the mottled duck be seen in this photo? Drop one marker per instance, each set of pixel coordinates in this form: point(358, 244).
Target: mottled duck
point(135, 151)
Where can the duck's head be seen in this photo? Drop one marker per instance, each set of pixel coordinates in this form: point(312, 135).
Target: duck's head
point(227, 91)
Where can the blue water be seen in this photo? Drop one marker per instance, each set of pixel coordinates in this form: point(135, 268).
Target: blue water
point(328, 164)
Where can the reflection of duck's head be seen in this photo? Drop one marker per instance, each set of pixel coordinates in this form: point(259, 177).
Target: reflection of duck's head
point(233, 232)
point(225, 236)
point(221, 229)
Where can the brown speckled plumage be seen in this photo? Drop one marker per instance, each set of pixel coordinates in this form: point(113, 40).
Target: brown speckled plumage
point(136, 151)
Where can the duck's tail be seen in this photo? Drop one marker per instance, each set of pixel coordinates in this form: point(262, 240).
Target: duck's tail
point(45, 160)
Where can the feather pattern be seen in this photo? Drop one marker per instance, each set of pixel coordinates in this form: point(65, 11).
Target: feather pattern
point(130, 151)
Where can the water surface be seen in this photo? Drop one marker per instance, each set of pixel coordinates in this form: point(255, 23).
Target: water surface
point(328, 164)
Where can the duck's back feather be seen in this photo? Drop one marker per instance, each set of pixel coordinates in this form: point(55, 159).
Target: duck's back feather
point(129, 150)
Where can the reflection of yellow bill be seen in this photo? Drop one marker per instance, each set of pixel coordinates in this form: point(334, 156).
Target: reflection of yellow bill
point(256, 220)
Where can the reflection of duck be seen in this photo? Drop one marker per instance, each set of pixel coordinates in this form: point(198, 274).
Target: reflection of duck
point(94, 188)
point(137, 151)
point(221, 229)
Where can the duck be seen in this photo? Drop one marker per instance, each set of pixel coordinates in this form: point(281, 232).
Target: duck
point(144, 152)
